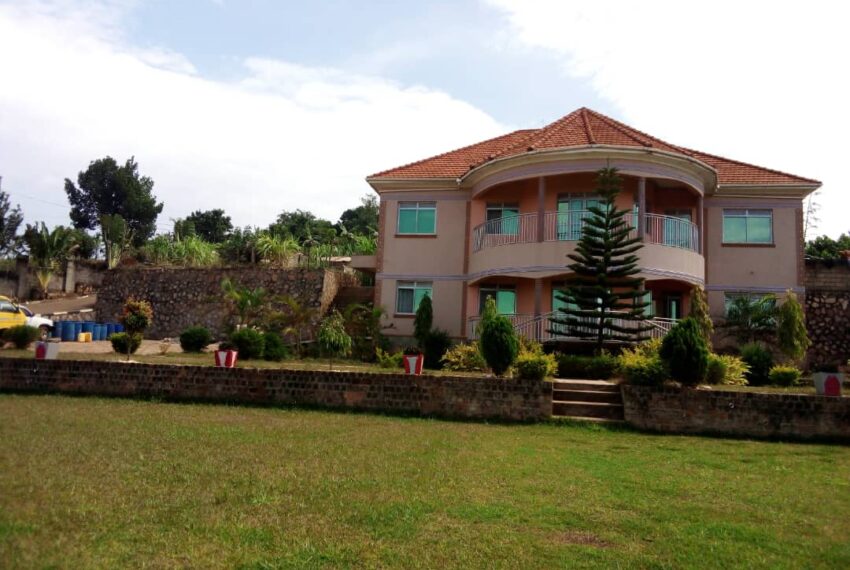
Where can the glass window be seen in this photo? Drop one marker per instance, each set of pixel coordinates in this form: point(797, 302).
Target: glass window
point(572, 211)
point(747, 226)
point(505, 296)
point(417, 217)
point(6, 307)
point(502, 219)
point(409, 294)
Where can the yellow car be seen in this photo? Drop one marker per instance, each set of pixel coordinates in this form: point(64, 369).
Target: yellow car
point(10, 314)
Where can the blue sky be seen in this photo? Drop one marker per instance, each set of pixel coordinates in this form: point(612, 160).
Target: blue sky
point(261, 106)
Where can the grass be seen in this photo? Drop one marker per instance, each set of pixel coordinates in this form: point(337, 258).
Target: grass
point(88, 482)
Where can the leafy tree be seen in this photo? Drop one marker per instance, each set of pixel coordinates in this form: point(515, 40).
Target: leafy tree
point(301, 225)
point(751, 318)
point(87, 244)
point(10, 221)
point(362, 220)
point(333, 340)
point(183, 228)
point(497, 339)
point(604, 285)
point(824, 247)
point(47, 250)
point(423, 320)
point(107, 188)
point(685, 352)
point(363, 324)
point(212, 225)
point(241, 246)
point(699, 313)
point(791, 334)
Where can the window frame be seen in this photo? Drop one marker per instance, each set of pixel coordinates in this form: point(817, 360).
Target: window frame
point(413, 286)
point(729, 296)
point(727, 213)
point(417, 206)
point(496, 288)
point(502, 226)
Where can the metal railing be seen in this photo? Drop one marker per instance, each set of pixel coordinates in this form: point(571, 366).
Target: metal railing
point(541, 329)
point(567, 226)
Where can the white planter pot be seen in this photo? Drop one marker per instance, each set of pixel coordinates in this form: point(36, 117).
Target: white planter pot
point(828, 383)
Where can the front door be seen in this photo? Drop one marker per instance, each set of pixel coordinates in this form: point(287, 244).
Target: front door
point(673, 307)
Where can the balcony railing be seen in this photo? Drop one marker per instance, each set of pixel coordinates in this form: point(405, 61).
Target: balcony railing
point(541, 329)
point(567, 226)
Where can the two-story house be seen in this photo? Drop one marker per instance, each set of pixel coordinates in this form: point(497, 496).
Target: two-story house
point(498, 218)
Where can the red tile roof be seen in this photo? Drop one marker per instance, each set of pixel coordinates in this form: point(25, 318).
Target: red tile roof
point(582, 127)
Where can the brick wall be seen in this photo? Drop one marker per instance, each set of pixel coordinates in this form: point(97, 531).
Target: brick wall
point(748, 414)
point(443, 396)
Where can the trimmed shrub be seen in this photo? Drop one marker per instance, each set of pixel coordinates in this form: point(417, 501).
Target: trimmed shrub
point(716, 370)
point(195, 339)
point(685, 353)
point(22, 335)
point(497, 339)
point(434, 345)
point(273, 347)
point(137, 316)
point(760, 361)
point(641, 365)
point(601, 367)
point(386, 360)
point(464, 358)
point(423, 320)
point(784, 376)
point(125, 343)
point(531, 366)
point(249, 342)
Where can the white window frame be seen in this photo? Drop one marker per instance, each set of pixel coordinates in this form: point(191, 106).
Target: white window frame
point(412, 285)
point(423, 205)
point(746, 214)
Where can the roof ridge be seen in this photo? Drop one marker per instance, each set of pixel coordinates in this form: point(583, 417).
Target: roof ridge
point(698, 153)
point(546, 131)
point(627, 130)
point(587, 128)
point(442, 154)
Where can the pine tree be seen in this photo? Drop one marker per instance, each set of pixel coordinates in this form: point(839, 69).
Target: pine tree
point(699, 312)
point(604, 286)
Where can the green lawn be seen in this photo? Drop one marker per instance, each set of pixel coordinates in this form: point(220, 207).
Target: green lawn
point(87, 482)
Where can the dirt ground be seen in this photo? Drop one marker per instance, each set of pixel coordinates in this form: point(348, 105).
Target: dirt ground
point(105, 347)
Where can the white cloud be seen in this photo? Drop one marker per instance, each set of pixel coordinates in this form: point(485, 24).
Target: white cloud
point(283, 136)
point(762, 82)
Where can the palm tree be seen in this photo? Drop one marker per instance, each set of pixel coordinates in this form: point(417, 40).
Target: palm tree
point(246, 303)
point(47, 250)
point(751, 318)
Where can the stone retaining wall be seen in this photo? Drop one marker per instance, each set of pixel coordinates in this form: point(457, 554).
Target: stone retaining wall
point(748, 414)
point(443, 396)
point(184, 297)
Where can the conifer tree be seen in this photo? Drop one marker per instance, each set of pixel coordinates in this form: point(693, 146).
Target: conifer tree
point(605, 286)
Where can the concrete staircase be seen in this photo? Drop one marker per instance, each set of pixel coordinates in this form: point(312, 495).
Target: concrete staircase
point(595, 400)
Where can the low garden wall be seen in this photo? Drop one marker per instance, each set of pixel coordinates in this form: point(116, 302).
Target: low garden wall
point(748, 414)
point(184, 297)
point(443, 396)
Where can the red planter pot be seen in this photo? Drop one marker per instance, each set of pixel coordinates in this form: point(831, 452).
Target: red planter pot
point(413, 363)
point(225, 358)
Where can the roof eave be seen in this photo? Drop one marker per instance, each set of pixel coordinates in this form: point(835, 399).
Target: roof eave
point(384, 183)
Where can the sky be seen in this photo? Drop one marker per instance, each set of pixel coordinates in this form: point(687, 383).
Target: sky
point(262, 106)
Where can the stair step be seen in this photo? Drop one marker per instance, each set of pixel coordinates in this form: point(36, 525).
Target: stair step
point(588, 410)
point(586, 385)
point(592, 420)
point(561, 395)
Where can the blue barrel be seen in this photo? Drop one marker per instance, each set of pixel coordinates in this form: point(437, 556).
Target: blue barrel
point(57, 330)
point(110, 329)
point(119, 327)
point(88, 326)
point(102, 332)
point(68, 331)
point(78, 328)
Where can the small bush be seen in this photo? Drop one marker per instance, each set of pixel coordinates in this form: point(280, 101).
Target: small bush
point(600, 367)
point(22, 335)
point(387, 360)
point(137, 316)
point(195, 339)
point(784, 376)
point(760, 361)
point(736, 370)
point(273, 348)
point(685, 353)
point(121, 341)
point(497, 339)
point(434, 345)
point(249, 342)
point(531, 366)
point(464, 358)
point(641, 365)
point(716, 370)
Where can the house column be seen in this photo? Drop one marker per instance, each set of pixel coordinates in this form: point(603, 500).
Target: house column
point(538, 297)
point(541, 208)
point(641, 207)
point(700, 224)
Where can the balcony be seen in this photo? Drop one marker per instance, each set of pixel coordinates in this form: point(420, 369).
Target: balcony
point(567, 226)
point(541, 329)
